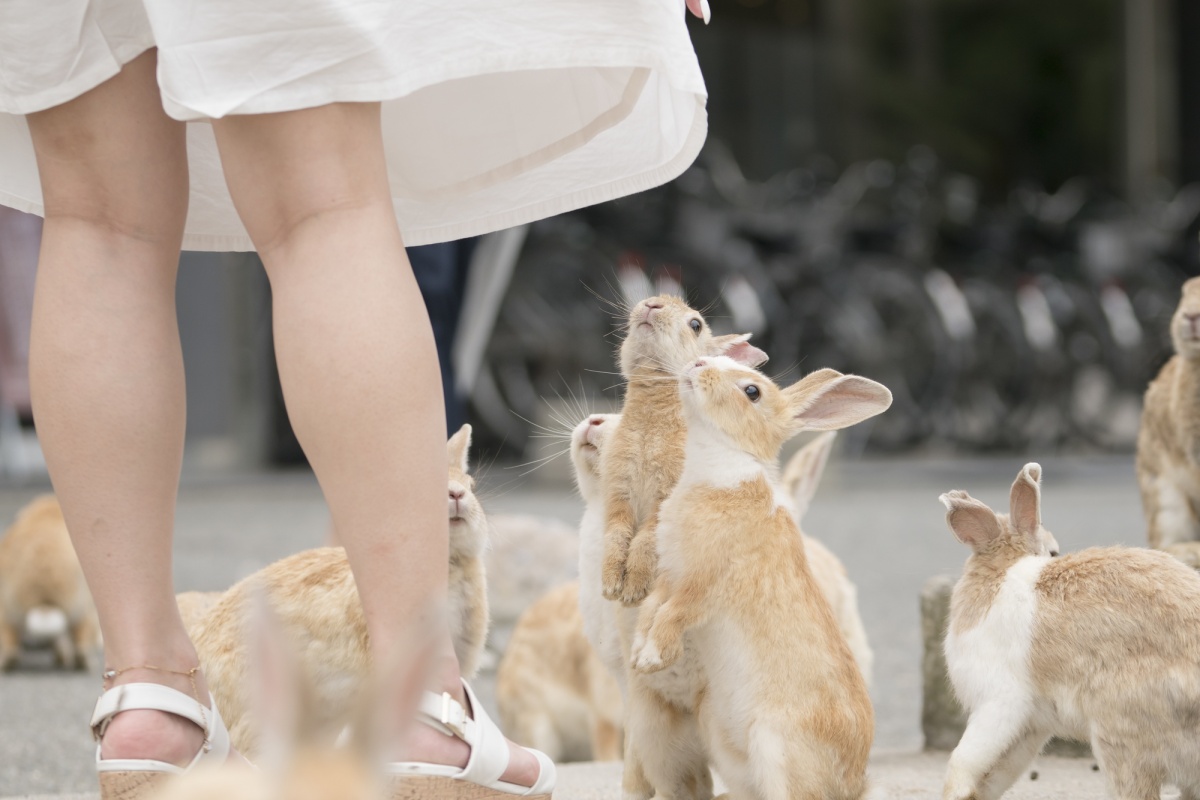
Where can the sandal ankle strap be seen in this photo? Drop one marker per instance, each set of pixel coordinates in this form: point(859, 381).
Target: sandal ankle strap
point(156, 697)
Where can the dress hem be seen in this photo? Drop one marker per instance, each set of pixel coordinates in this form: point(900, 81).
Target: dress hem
point(77, 86)
point(209, 242)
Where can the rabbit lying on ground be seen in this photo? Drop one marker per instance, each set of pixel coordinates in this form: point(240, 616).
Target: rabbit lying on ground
point(784, 710)
point(1101, 645)
point(314, 596)
point(193, 606)
point(40, 577)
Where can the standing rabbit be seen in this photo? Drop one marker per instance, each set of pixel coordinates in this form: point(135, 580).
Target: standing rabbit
point(641, 461)
point(785, 712)
point(560, 684)
point(599, 616)
point(800, 478)
point(645, 456)
point(40, 576)
point(314, 596)
point(1168, 445)
point(1101, 645)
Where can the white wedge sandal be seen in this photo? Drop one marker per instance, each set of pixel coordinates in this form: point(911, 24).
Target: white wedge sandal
point(480, 778)
point(132, 779)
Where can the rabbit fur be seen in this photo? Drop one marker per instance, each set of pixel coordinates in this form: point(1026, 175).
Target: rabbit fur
point(640, 463)
point(1168, 444)
point(40, 576)
point(732, 567)
point(1100, 645)
point(315, 598)
point(800, 479)
point(644, 458)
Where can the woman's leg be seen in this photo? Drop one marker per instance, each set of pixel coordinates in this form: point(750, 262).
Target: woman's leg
point(106, 375)
point(356, 360)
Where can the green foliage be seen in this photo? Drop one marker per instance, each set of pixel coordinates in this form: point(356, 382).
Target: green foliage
point(1007, 89)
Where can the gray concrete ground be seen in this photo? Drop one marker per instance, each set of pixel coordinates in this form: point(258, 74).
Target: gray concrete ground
point(880, 516)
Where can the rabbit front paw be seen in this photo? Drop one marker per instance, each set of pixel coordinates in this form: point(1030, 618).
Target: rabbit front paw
point(612, 578)
point(646, 657)
point(640, 569)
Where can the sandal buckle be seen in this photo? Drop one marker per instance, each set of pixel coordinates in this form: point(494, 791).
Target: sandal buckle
point(450, 720)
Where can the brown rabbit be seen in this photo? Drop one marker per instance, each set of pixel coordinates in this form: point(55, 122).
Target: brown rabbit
point(552, 690)
point(784, 712)
point(40, 576)
point(314, 596)
point(1168, 445)
point(645, 456)
point(1101, 645)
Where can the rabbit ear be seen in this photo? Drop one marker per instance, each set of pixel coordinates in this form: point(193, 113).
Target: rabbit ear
point(971, 522)
point(284, 700)
point(737, 346)
point(826, 400)
point(458, 446)
point(804, 470)
point(1025, 500)
point(387, 703)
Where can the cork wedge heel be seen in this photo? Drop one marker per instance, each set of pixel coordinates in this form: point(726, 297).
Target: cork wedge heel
point(480, 778)
point(133, 779)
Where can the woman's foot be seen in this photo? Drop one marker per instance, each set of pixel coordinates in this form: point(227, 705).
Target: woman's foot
point(157, 735)
point(430, 746)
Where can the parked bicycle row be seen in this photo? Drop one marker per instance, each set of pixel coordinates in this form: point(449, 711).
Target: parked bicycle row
point(1030, 320)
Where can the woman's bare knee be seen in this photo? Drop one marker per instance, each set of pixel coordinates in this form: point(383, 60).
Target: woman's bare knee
point(112, 158)
point(284, 170)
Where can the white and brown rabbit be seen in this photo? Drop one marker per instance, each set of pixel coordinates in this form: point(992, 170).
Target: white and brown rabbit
point(314, 596)
point(552, 691)
point(40, 578)
point(1102, 645)
point(558, 686)
point(1168, 445)
point(784, 712)
point(644, 458)
point(598, 615)
point(800, 479)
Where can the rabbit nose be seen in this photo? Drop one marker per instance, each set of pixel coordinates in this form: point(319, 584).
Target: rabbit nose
point(654, 304)
point(597, 420)
point(456, 493)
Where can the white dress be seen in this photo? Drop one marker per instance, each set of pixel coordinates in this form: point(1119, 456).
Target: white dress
point(494, 113)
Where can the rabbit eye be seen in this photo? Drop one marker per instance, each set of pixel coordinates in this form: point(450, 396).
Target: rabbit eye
point(695, 326)
point(752, 392)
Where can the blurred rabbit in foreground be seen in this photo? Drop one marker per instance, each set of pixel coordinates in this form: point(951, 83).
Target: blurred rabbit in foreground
point(305, 755)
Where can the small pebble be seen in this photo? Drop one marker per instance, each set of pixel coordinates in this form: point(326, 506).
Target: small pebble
point(1033, 775)
point(1095, 767)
